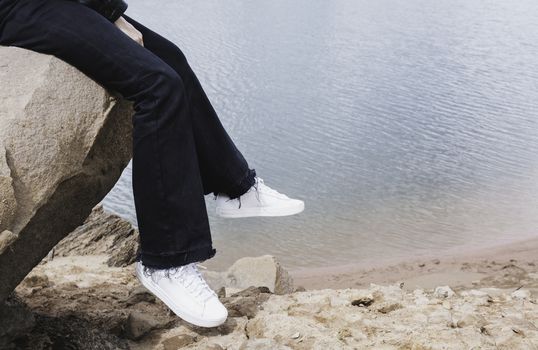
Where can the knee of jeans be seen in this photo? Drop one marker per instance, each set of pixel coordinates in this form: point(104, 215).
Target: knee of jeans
point(161, 85)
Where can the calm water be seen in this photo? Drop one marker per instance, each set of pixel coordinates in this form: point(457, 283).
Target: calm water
point(408, 127)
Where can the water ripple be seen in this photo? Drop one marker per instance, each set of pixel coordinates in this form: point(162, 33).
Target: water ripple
point(405, 126)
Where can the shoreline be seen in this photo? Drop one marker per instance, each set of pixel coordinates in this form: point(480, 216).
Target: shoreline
point(467, 267)
point(88, 296)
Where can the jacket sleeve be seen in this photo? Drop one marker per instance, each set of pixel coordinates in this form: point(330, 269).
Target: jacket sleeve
point(111, 9)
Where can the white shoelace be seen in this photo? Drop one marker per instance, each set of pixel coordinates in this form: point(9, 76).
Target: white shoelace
point(266, 188)
point(193, 281)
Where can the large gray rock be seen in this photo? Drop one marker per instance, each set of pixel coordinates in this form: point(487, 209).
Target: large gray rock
point(102, 233)
point(64, 141)
point(261, 271)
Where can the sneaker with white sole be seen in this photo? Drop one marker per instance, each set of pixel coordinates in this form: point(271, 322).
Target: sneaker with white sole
point(184, 290)
point(259, 200)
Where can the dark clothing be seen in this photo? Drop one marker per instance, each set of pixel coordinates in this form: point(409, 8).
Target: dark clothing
point(180, 149)
point(110, 9)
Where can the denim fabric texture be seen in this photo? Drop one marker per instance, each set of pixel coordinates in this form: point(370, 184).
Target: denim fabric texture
point(181, 151)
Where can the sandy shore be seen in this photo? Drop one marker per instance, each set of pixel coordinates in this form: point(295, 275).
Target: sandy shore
point(80, 302)
point(86, 296)
point(483, 267)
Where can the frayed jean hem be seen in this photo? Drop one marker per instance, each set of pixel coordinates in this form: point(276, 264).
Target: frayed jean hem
point(167, 261)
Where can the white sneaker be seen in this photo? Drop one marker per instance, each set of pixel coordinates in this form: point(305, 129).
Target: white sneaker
point(184, 290)
point(259, 200)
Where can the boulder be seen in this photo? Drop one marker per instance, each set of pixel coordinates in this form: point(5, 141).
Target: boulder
point(102, 233)
point(64, 142)
point(261, 271)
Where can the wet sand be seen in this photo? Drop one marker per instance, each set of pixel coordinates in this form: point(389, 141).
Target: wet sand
point(494, 266)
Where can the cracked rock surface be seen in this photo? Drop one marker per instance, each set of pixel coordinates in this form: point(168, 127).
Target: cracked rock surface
point(64, 141)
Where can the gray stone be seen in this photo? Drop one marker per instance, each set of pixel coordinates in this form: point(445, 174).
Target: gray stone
point(521, 294)
point(102, 233)
point(214, 347)
point(64, 142)
point(364, 301)
point(179, 341)
point(443, 292)
point(139, 324)
point(387, 307)
point(246, 302)
point(6, 238)
point(262, 271)
point(140, 294)
point(471, 319)
point(36, 280)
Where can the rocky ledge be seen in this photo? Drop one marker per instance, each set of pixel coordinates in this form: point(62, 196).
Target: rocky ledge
point(86, 296)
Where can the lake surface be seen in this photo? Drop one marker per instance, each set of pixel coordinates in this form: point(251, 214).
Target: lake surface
point(407, 127)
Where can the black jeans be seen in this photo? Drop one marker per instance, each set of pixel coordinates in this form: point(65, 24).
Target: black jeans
point(181, 151)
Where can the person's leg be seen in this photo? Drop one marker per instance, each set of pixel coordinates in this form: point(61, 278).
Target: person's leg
point(222, 166)
point(167, 185)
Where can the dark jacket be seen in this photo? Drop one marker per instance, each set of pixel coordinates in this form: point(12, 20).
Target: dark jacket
point(111, 9)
